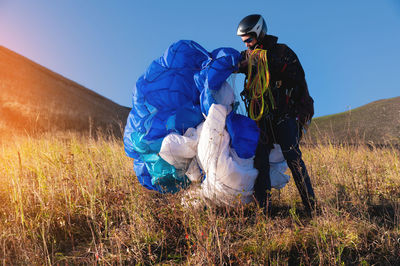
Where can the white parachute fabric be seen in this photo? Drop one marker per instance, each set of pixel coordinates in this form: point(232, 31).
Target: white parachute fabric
point(205, 151)
point(181, 151)
point(278, 167)
point(228, 177)
point(225, 96)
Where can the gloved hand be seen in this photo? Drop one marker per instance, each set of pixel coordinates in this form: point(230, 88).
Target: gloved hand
point(243, 65)
point(304, 120)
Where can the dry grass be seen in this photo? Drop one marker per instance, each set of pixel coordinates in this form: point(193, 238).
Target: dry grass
point(75, 200)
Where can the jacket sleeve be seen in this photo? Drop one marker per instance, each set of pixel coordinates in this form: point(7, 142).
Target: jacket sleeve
point(243, 64)
point(294, 75)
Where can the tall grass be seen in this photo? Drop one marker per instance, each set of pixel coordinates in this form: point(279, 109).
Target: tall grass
point(76, 200)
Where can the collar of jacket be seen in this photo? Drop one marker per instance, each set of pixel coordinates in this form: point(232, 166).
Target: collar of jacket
point(268, 42)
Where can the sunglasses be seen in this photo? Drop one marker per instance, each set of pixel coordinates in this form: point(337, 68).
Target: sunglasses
point(248, 40)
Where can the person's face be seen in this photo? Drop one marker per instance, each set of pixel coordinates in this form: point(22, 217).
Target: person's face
point(249, 41)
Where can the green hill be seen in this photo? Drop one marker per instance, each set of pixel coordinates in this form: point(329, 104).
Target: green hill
point(377, 122)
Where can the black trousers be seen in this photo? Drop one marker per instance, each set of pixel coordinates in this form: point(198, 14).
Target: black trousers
point(287, 134)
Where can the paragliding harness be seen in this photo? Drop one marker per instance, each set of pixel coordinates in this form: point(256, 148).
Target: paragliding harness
point(260, 102)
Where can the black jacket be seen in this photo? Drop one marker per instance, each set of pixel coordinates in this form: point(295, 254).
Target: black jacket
point(287, 81)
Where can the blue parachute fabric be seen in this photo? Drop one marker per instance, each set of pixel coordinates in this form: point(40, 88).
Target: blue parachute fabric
point(215, 71)
point(170, 97)
point(143, 175)
point(164, 100)
point(244, 134)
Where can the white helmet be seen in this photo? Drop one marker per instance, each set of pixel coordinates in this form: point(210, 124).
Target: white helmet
point(252, 24)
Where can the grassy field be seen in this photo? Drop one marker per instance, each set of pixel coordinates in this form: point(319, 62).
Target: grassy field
point(74, 200)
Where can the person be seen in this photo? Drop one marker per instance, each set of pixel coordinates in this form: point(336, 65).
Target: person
point(282, 108)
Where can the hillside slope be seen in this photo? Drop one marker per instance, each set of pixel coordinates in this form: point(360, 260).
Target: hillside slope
point(377, 122)
point(36, 99)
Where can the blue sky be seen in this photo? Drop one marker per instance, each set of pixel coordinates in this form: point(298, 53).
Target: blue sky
point(350, 50)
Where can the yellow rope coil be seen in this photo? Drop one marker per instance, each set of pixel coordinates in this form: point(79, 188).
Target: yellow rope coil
point(259, 84)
